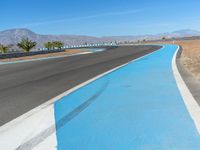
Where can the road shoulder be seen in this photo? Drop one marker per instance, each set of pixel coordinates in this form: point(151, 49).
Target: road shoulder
point(192, 83)
point(187, 88)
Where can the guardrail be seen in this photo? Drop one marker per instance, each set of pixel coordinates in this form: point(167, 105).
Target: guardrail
point(22, 54)
point(55, 50)
point(84, 46)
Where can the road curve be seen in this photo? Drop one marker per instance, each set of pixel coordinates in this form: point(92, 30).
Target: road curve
point(24, 86)
point(139, 106)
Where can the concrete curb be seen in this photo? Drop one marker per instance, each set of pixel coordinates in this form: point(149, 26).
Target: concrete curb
point(190, 102)
point(192, 83)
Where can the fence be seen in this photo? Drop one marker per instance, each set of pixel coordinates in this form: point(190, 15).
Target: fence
point(21, 54)
point(46, 51)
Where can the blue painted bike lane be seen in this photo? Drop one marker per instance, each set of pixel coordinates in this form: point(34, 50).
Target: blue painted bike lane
point(136, 107)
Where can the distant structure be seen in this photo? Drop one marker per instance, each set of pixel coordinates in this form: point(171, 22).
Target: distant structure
point(86, 45)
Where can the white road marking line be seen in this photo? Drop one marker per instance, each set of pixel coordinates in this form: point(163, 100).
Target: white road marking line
point(191, 104)
point(13, 136)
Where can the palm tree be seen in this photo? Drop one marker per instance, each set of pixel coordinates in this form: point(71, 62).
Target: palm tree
point(4, 48)
point(26, 44)
point(57, 44)
point(48, 45)
point(164, 38)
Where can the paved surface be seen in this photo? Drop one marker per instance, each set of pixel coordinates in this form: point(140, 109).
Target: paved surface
point(136, 107)
point(23, 86)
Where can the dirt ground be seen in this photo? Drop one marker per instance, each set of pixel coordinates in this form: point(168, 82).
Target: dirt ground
point(67, 52)
point(190, 57)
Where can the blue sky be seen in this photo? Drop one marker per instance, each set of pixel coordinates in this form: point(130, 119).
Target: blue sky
point(100, 17)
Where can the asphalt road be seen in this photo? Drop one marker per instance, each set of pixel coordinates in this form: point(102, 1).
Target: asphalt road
point(24, 86)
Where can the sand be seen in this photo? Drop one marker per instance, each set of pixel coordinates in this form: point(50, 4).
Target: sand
point(191, 57)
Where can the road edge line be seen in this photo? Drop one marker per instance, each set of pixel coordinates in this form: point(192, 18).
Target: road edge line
point(190, 102)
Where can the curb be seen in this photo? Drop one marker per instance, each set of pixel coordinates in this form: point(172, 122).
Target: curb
point(190, 102)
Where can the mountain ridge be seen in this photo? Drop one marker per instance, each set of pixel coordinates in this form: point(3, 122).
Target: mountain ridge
point(13, 36)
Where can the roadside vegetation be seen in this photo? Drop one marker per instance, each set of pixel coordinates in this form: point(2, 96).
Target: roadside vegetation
point(4, 48)
point(48, 45)
point(58, 44)
point(53, 45)
point(26, 45)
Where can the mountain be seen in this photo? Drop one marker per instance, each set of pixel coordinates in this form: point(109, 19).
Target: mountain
point(186, 33)
point(169, 35)
point(13, 36)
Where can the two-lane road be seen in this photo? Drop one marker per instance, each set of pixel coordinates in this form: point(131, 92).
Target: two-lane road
point(24, 86)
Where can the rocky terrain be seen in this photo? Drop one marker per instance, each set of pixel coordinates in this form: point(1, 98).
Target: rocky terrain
point(15, 35)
